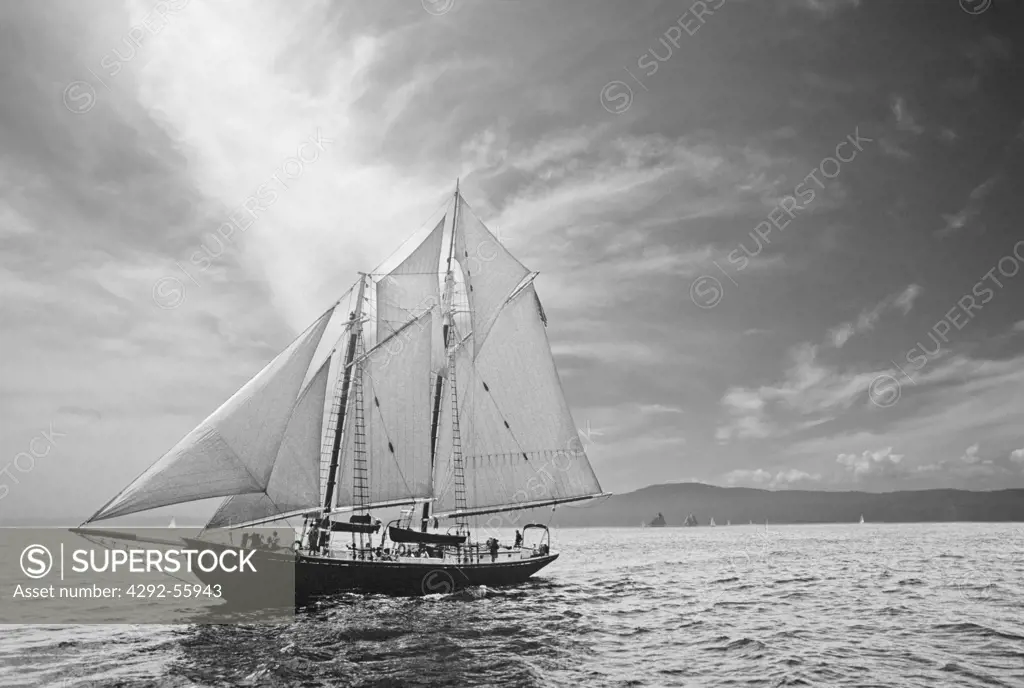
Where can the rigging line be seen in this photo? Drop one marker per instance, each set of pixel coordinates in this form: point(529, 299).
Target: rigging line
point(387, 339)
point(410, 310)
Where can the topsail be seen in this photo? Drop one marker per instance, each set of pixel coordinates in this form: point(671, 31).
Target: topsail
point(491, 273)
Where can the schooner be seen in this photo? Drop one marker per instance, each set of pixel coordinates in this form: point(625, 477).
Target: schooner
point(428, 387)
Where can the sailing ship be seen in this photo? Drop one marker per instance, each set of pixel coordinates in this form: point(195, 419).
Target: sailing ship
point(429, 388)
point(657, 522)
point(712, 522)
point(862, 518)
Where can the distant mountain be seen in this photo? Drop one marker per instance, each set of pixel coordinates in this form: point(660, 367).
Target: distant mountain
point(740, 504)
point(675, 502)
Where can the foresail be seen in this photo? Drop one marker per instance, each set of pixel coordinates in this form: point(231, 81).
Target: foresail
point(233, 451)
point(490, 272)
point(295, 479)
point(411, 288)
point(396, 394)
point(519, 443)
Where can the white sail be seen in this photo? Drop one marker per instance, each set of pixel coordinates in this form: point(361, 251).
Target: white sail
point(295, 479)
point(412, 288)
point(397, 398)
point(519, 444)
point(490, 272)
point(234, 450)
point(336, 328)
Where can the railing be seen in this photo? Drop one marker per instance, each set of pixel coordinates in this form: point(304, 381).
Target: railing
point(471, 554)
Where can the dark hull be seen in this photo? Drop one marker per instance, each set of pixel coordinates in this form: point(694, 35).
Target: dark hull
point(315, 576)
point(320, 576)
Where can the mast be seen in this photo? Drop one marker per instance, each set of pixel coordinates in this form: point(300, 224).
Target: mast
point(444, 339)
point(353, 340)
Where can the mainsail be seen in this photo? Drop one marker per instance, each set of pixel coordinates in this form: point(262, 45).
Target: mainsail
point(396, 400)
point(235, 449)
point(520, 447)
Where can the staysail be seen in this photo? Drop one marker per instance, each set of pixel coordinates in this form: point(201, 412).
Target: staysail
point(412, 288)
point(294, 484)
point(396, 398)
point(234, 450)
point(520, 447)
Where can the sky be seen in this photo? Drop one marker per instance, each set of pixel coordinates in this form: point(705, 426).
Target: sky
point(778, 242)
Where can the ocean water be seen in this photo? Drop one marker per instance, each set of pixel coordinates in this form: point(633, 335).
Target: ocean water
point(825, 605)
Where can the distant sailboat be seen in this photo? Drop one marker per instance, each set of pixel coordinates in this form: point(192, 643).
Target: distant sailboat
point(728, 522)
point(445, 400)
point(712, 522)
point(862, 518)
point(657, 522)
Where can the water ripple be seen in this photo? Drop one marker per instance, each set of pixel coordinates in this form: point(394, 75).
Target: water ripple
point(871, 605)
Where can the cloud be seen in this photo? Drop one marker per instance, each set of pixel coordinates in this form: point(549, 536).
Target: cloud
point(904, 120)
point(748, 416)
point(786, 478)
point(961, 219)
point(809, 388)
point(873, 464)
point(951, 399)
point(867, 319)
point(756, 476)
point(826, 8)
point(894, 150)
point(660, 408)
point(1017, 455)
point(971, 454)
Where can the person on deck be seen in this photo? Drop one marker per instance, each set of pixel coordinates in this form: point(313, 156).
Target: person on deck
point(519, 540)
point(275, 542)
point(493, 542)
